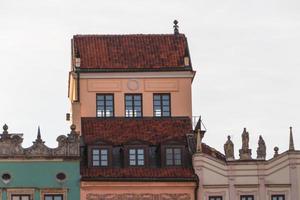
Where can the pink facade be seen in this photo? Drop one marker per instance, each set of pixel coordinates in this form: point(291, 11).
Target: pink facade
point(126, 156)
point(137, 190)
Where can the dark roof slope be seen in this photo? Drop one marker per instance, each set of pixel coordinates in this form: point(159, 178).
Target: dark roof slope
point(121, 130)
point(153, 51)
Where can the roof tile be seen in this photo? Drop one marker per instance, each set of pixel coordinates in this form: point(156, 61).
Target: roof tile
point(131, 51)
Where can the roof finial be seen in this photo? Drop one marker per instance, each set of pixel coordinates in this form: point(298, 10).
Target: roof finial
point(291, 146)
point(38, 137)
point(5, 128)
point(39, 133)
point(176, 30)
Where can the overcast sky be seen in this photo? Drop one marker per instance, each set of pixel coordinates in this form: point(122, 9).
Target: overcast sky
point(246, 54)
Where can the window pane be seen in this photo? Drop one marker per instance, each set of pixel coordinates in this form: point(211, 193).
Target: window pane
point(100, 97)
point(109, 97)
point(132, 162)
point(96, 163)
point(138, 97)
point(169, 162)
point(165, 97)
point(177, 162)
point(140, 162)
point(95, 151)
point(104, 163)
point(131, 151)
point(140, 151)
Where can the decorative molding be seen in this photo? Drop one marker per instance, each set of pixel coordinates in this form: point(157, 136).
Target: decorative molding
point(53, 191)
point(161, 85)
point(11, 146)
point(144, 196)
point(104, 85)
point(219, 193)
point(19, 191)
point(247, 192)
point(133, 85)
point(134, 75)
point(286, 193)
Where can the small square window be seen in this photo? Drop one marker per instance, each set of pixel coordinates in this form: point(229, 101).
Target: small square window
point(173, 156)
point(100, 157)
point(136, 157)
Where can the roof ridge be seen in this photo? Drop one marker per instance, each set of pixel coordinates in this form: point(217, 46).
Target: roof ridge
point(127, 35)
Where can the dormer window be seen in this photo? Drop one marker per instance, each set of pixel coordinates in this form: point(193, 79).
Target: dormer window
point(105, 105)
point(136, 157)
point(99, 157)
point(173, 156)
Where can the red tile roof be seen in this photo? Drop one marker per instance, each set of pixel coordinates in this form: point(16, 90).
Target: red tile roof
point(122, 130)
point(132, 51)
point(138, 173)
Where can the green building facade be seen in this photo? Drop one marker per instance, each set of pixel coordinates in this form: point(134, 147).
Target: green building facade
point(39, 172)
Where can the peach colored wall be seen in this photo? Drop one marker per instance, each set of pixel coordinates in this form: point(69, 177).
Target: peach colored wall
point(279, 175)
point(179, 88)
point(138, 190)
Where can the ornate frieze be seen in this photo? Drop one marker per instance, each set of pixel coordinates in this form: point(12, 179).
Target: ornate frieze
point(144, 196)
point(11, 145)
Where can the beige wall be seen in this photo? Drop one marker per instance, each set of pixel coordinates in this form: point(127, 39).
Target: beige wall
point(231, 179)
point(137, 190)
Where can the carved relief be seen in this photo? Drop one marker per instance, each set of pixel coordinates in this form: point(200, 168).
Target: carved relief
point(132, 196)
point(11, 145)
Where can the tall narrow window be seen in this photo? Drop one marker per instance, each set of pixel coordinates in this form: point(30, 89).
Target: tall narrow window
point(247, 197)
point(215, 198)
point(100, 157)
point(278, 197)
point(161, 105)
point(173, 156)
point(105, 105)
point(136, 157)
point(133, 105)
point(53, 197)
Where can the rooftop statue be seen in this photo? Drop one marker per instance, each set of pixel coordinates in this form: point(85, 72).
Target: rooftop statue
point(229, 149)
point(245, 152)
point(261, 150)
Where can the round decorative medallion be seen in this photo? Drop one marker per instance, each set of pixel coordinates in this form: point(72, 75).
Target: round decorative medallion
point(133, 85)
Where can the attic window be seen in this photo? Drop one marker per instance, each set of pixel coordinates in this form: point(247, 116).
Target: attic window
point(136, 157)
point(173, 156)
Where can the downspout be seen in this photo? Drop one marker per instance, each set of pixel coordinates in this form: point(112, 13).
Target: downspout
point(197, 187)
point(78, 84)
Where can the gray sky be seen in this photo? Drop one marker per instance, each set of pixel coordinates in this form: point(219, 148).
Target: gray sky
point(246, 54)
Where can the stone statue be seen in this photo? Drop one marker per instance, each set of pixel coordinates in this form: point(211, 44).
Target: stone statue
point(261, 150)
point(245, 140)
point(245, 152)
point(229, 149)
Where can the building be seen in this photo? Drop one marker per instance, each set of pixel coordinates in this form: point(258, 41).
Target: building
point(39, 172)
point(131, 100)
point(222, 177)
